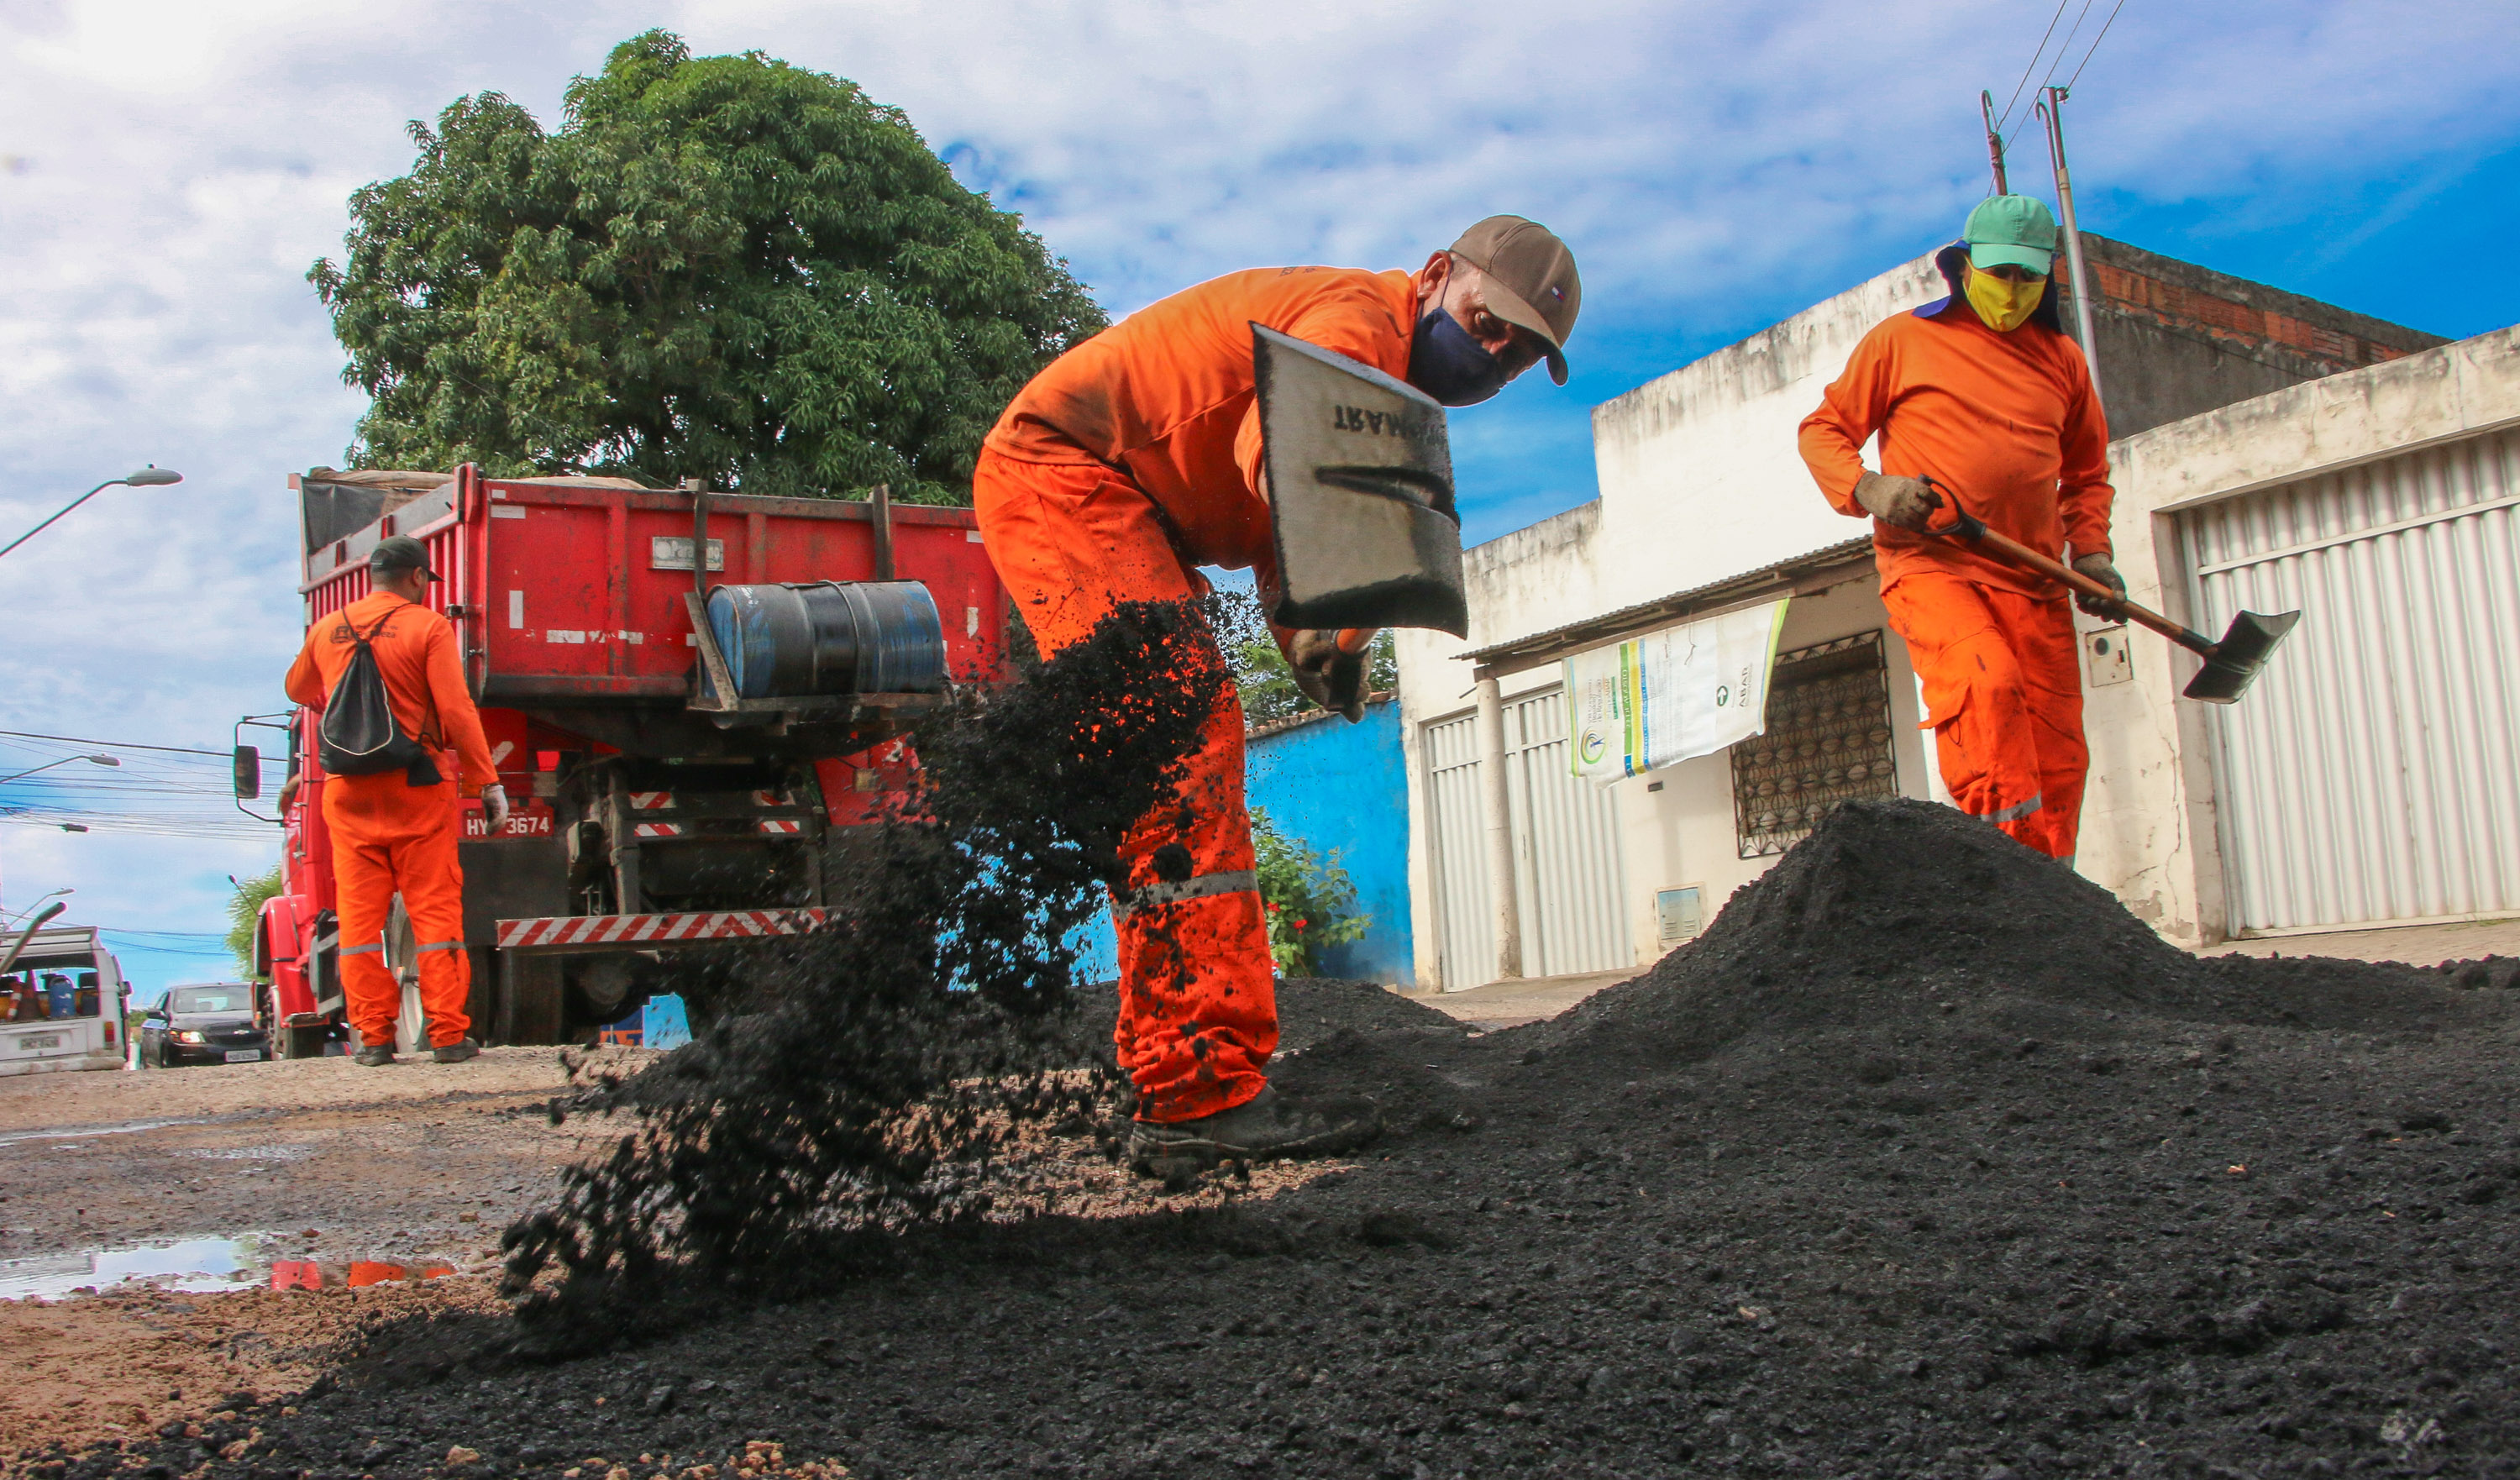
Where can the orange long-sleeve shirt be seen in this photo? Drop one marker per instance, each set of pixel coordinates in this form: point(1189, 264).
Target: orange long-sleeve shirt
point(1167, 393)
point(423, 673)
point(2005, 421)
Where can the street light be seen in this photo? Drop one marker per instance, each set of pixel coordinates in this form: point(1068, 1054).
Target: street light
point(151, 477)
point(93, 760)
point(37, 905)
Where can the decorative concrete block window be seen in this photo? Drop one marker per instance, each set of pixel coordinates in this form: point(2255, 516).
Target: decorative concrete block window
point(1828, 742)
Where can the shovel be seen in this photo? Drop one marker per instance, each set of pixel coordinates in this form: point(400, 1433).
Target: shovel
point(2230, 665)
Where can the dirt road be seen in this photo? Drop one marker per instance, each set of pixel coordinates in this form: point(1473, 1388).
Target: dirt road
point(2001, 1190)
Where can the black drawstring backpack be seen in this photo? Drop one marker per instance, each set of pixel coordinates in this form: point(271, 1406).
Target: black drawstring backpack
point(359, 735)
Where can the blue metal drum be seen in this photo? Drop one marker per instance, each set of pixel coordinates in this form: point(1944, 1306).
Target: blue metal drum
point(796, 641)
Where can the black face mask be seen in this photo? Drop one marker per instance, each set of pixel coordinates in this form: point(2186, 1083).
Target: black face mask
point(1446, 363)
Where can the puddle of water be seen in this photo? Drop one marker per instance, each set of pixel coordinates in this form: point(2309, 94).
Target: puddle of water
point(200, 1265)
point(13, 1138)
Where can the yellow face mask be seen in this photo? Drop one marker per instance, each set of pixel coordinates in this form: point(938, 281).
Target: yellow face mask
point(2002, 306)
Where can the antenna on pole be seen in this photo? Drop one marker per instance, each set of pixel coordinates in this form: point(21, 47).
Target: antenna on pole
point(1994, 140)
point(2048, 109)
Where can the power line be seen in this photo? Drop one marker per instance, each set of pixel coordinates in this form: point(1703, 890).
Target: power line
point(73, 739)
point(2006, 119)
point(2095, 44)
point(2064, 46)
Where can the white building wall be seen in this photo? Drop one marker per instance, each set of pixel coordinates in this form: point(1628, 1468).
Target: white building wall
point(2150, 831)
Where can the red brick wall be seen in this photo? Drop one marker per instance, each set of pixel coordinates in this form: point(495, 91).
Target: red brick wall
point(2167, 303)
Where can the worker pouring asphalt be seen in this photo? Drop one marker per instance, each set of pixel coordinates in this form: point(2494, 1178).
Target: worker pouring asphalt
point(1135, 459)
point(1983, 394)
point(395, 830)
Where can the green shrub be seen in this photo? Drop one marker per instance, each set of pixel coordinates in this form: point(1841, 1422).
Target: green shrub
point(1309, 902)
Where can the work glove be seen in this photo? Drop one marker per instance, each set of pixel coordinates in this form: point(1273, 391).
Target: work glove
point(1329, 678)
point(494, 806)
point(2099, 568)
point(1901, 501)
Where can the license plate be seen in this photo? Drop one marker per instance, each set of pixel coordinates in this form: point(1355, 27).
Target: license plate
point(245, 1055)
point(38, 1042)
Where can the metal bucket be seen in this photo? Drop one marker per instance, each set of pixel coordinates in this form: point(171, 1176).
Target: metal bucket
point(1361, 491)
point(829, 638)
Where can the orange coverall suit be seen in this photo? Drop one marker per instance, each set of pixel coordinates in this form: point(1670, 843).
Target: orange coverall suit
point(2008, 425)
point(391, 836)
point(1129, 462)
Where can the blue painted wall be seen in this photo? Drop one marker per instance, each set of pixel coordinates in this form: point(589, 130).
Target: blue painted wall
point(1337, 786)
point(1332, 785)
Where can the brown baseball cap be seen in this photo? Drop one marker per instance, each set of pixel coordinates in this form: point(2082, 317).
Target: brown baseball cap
point(1531, 279)
point(400, 552)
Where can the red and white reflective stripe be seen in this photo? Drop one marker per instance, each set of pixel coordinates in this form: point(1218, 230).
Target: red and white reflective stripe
point(650, 929)
point(651, 801)
point(775, 825)
point(658, 830)
point(770, 799)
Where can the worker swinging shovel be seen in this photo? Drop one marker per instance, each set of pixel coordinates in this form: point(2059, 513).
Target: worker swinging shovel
point(2230, 665)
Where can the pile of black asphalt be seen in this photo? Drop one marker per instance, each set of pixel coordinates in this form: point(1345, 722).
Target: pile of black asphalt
point(1926, 1159)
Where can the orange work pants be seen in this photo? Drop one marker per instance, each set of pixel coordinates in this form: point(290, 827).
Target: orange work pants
point(389, 837)
point(1198, 1002)
point(2003, 695)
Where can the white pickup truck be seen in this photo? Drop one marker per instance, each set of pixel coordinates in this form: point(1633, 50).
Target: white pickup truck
point(63, 1004)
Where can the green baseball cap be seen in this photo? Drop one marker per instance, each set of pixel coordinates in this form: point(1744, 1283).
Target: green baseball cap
point(2012, 231)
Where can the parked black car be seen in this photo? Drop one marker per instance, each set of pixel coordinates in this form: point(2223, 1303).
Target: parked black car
point(210, 1023)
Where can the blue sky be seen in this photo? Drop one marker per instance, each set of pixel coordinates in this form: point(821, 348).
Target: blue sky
point(168, 171)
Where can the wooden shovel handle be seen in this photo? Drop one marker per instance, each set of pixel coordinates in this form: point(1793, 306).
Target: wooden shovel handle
point(2013, 551)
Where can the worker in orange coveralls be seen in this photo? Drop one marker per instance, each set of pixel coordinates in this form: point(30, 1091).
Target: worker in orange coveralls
point(1135, 459)
point(1983, 393)
point(389, 836)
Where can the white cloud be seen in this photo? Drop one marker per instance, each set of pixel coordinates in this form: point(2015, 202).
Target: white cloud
point(176, 167)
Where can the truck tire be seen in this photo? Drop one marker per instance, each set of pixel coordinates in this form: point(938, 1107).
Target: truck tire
point(532, 998)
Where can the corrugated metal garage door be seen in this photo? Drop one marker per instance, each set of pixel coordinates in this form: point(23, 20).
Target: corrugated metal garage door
point(1464, 924)
point(2369, 776)
point(1565, 848)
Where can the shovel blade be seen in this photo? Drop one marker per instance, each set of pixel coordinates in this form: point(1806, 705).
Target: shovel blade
point(2237, 659)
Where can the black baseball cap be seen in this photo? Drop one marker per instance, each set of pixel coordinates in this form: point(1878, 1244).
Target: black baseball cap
point(400, 552)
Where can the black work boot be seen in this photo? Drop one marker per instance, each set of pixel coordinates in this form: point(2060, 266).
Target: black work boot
point(374, 1056)
point(1266, 1127)
point(456, 1052)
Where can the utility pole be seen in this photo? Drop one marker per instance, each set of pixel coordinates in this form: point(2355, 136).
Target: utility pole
point(1994, 140)
point(2050, 110)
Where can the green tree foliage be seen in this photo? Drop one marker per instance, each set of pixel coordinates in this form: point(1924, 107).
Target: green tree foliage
point(1260, 670)
point(244, 915)
point(718, 267)
point(1309, 902)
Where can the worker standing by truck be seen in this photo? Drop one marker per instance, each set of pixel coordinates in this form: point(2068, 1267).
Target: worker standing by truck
point(1133, 460)
point(395, 830)
point(1983, 394)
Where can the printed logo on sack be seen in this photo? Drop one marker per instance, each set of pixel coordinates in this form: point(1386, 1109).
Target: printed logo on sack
point(1594, 744)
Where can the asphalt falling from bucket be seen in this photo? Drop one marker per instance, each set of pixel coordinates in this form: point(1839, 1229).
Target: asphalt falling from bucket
point(865, 1073)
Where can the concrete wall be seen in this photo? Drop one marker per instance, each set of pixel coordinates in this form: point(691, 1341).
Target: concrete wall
point(1337, 788)
point(2149, 831)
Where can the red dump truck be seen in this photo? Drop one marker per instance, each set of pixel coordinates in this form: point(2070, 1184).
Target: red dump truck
point(696, 700)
